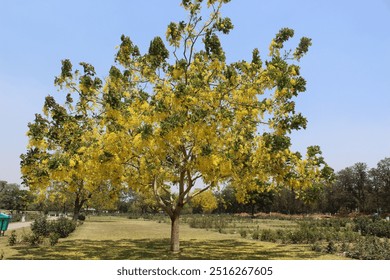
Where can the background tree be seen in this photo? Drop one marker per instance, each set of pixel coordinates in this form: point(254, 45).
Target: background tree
point(380, 177)
point(339, 197)
point(3, 184)
point(287, 201)
point(336, 199)
point(137, 203)
point(12, 197)
point(227, 201)
point(64, 153)
point(58, 198)
point(356, 182)
point(259, 201)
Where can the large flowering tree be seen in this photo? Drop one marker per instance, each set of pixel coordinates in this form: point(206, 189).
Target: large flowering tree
point(180, 121)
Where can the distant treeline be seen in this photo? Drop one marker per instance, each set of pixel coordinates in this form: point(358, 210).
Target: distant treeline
point(354, 189)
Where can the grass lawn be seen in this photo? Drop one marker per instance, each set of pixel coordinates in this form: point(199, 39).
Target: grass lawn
point(115, 238)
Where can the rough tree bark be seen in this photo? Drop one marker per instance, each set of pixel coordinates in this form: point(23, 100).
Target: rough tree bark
point(175, 240)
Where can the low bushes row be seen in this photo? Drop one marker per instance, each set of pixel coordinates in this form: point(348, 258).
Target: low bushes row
point(369, 248)
point(43, 229)
point(372, 226)
point(62, 226)
point(363, 240)
point(208, 222)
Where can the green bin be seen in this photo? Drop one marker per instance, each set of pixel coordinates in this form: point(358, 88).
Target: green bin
point(4, 220)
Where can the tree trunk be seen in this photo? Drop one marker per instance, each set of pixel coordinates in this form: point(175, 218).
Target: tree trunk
point(76, 213)
point(252, 210)
point(77, 207)
point(175, 241)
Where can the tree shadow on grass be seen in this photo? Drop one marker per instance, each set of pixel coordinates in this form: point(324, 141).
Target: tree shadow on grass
point(158, 249)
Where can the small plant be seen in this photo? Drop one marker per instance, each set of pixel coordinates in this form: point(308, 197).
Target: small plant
point(316, 247)
point(243, 233)
point(34, 239)
point(331, 247)
point(12, 239)
point(268, 235)
point(53, 237)
point(344, 247)
point(255, 234)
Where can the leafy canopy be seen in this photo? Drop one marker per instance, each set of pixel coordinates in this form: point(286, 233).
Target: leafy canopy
point(181, 114)
point(177, 115)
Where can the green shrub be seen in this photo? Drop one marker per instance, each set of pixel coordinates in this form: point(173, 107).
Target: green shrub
point(307, 233)
point(44, 228)
point(268, 235)
point(220, 223)
point(243, 233)
point(255, 234)
point(370, 248)
point(344, 247)
point(316, 247)
point(63, 227)
point(331, 247)
point(349, 236)
point(34, 239)
point(40, 226)
point(53, 237)
point(12, 238)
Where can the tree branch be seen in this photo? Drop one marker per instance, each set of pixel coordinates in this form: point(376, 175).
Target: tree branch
point(159, 199)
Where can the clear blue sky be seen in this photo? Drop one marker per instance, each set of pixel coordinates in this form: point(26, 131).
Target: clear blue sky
point(347, 68)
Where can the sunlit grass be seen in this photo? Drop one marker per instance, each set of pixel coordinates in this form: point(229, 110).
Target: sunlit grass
point(8, 251)
point(120, 238)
